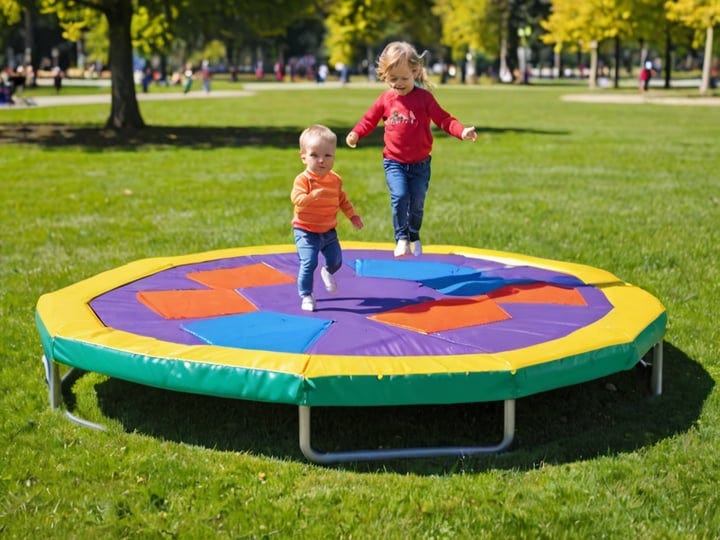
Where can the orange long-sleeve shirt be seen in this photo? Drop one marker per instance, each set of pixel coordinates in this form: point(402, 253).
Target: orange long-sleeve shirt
point(317, 200)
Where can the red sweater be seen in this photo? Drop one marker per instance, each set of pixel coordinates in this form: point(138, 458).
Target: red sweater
point(407, 124)
point(317, 200)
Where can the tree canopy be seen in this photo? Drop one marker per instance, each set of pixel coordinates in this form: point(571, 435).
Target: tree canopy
point(150, 25)
point(360, 24)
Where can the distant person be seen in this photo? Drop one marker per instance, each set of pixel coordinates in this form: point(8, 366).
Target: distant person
point(279, 71)
point(206, 75)
point(343, 72)
point(188, 74)
point(406, 109)
point(147, 78)
point(58, 76)
point(645, 75)
point(317, 196)
point(5, 98)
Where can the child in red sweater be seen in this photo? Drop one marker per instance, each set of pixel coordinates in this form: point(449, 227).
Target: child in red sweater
point(406, 109)
point(318, 194)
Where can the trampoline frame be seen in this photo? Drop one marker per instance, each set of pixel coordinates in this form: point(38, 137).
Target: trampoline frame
point(56, 384)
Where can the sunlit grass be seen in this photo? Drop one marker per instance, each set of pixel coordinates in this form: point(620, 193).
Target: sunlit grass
point(632, 189)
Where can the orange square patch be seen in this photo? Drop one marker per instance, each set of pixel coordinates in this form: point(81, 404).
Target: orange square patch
point(445, 314)
point(191, 304)
point(240, 277)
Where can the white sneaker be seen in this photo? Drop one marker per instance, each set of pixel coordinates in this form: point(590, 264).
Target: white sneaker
point(402, 249)
point(308, 303)
point(417, 248)
point(328, 280)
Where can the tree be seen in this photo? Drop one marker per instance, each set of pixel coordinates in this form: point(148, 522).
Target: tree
point(587, 24)
point(476, 26)
point(562, 28)
point(236, 22)
point(493, 28)
point(12, 11)
point(73, 15)
point(152, 23)
point(702, 16)
point(652, 27)
point(354, 24)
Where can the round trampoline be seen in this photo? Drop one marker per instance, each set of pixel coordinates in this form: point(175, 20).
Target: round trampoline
point(455, 325)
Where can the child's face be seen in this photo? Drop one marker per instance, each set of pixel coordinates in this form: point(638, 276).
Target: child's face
point(401, 78)
point(318, 156)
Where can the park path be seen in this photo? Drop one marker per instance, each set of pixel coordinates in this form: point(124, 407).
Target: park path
point(251, 88)
point(248, 90)
point(602, 97)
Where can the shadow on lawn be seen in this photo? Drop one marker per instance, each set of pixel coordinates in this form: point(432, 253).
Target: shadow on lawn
point(201, 138)
point(604, 417)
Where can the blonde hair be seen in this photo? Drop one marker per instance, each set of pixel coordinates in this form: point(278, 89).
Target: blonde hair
point(398, 52)
point(317, 132)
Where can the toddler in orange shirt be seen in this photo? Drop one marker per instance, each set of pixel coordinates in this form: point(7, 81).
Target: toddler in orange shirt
point(318, 195)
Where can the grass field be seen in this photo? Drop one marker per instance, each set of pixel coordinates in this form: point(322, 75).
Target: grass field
point(632, 189)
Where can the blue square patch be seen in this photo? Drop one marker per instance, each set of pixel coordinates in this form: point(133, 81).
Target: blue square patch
point(260, 330)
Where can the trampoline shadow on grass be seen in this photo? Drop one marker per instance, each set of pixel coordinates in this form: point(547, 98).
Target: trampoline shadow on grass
point(606, 416)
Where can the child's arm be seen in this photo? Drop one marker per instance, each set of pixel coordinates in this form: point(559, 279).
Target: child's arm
point(302, 192)
point(347, 208)
point(469, 134)
point(367, 123)
point(448, 123)
point(352, 139)
point(357, 222)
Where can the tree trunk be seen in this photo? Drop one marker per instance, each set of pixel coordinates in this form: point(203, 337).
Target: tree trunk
point(29, 39)
point(707, 61)
point(124, 110)
point(592, 80)
point(668, 57)
point(557, 63)
point(616, 82)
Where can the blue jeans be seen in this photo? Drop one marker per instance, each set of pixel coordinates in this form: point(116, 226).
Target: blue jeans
point(408, 185)
point(309, 245)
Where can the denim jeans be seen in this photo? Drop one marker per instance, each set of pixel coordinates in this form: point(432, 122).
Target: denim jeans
point(309, 245)
point(408, 185)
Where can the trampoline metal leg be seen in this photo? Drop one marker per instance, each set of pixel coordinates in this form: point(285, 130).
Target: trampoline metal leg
point(657, 368)
point(397, 453)
point(55, 392)
point(52, 377)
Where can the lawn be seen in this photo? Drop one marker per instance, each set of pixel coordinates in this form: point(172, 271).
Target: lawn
point(632, 189)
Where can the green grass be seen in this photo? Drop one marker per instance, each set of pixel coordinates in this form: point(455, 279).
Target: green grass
point(633, 189)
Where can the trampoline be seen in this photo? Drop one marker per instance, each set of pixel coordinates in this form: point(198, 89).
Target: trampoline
point(455, 325)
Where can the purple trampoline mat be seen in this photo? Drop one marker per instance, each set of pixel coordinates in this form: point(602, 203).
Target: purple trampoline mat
point(351, 332)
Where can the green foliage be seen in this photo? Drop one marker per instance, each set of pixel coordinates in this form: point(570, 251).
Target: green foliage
point(354, 25)
point(580, 24)
point(10, 11)
point(470, 24)
point(696, 14)
point(628, 188)
point(214, 52)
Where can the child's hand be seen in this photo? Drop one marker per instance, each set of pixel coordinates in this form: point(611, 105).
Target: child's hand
point(352, 139)
point(469, 134)
point(357, 222)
